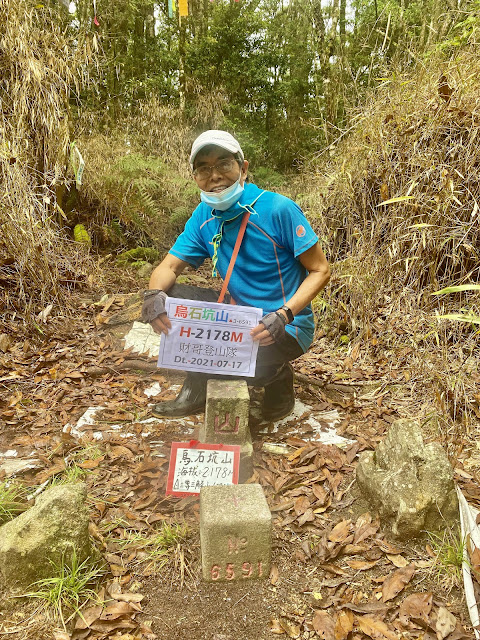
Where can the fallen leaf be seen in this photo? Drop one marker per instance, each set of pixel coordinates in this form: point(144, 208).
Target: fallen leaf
point(324, 625)
point(129, 597)
point(368, 607)
point(308, 516)
point(116, 610)
point(107, 626)
point(275, 627)
point(88, 617)
point(343, 625)
point(5, 342)
point(386, 547)
point(301, 505)
point(397, 581)
point(417, 606)
point(362, 565)
point(274, 574)
point(91, 464)
point(446, 623)
point(398, 560)
point(375, 628)
point(320, 493)
point(292, 630)
point(474, 554)
point(340, 532)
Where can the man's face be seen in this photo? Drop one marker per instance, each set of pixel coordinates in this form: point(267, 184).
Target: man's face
point(212, 157)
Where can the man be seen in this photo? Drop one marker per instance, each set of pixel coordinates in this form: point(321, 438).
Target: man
point(280, 268)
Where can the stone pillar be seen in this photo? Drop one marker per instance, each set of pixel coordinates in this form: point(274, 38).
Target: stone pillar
point(226, 419)
point(235, 533)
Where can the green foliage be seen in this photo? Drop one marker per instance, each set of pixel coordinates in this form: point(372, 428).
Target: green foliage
point(467, 316)
point(158, 548)
point(70, 587)
point(71, 474)
point(448, 548)
point(81, 235)
point(267, 178)
point(465, 31)
point(144, 254)
point(137, 197)
point(12, 501)
point(179, 217)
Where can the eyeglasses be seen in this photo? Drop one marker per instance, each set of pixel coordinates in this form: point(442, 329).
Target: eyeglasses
point(205, 171)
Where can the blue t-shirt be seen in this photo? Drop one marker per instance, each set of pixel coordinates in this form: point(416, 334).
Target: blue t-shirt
point(267, 270)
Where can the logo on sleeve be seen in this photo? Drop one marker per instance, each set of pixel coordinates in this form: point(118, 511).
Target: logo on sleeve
point(300, 230)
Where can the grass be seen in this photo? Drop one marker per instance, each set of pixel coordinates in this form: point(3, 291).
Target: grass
point(69, 589)
point(90, 452)
point(12, 501)
point(448, 549)
point(157, 550)
point(73, 473)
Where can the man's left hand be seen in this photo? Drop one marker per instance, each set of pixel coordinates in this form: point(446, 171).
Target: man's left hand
point(271, 329)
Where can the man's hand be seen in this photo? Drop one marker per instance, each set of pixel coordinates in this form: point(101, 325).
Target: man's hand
point(153, 310)
point(271, 329)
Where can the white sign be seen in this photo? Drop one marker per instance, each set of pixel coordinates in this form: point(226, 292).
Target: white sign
point(210, 338)
point(195, 465)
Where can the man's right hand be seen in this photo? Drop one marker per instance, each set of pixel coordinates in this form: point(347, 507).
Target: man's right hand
point(153, 310)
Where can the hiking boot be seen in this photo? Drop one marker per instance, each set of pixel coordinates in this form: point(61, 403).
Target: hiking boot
point(191, 399)
point(279, 398)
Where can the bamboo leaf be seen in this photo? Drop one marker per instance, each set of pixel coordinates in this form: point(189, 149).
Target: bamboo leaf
point(461, 317)
point(461, 287)
point(399, 199)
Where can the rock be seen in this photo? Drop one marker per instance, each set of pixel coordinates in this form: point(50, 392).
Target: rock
point(235, 533)
point(46, 533)
point(408, 483)
point(226, 420)
point(145, 270)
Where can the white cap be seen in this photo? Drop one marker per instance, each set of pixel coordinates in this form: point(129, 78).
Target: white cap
point(218, 138)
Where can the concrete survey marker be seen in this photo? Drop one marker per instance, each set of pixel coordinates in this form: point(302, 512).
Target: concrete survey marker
point(226, 420)
point(235, 533)
point(226, 412)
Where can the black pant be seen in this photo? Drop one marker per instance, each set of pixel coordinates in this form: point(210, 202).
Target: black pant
point(269, 359)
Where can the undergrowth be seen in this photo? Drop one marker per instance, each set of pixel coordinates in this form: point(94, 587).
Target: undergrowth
point(448, 550)
point(12, 501)
point(156, 550)
point(38, 265)
point(70, 588)
point(395, 204)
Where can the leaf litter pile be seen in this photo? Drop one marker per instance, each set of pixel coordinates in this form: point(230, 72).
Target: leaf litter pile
point(335, 574)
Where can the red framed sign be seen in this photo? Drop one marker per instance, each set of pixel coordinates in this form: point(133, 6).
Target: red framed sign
point(194, 465)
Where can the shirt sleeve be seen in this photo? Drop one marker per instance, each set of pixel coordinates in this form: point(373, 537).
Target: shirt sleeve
point(190, 246)
point(296, 232)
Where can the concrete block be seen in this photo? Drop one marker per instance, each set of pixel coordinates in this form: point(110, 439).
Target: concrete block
point(226, 420)
point(235, 533)
point(226, 412)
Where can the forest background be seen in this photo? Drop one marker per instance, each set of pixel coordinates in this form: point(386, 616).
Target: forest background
point(366, 112)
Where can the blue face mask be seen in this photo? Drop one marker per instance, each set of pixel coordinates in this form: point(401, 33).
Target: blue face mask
point(224, 199)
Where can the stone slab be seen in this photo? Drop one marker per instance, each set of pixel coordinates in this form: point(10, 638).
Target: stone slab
point(226, 412)
point(235, 533)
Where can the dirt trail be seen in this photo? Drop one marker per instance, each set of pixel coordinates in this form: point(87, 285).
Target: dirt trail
point(335, 573)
